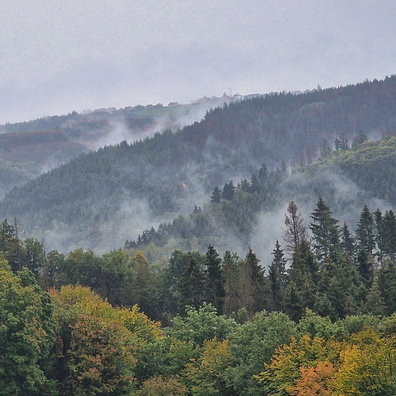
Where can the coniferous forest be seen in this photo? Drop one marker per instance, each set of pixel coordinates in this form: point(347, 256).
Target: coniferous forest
point(206, 297)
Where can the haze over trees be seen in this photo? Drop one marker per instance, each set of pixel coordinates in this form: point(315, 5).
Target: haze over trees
point(187, 306)
point(178, 169)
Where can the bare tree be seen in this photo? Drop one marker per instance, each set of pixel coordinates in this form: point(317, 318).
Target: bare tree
point(295, 231)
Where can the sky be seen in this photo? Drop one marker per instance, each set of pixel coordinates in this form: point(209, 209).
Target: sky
point(60, 56)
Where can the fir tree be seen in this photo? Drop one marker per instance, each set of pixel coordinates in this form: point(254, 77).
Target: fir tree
point(192, 284)
point(228, 191)
point(347, 241)
point(325, 230)
point(216, 195)
point(215, 279)
point(302, 277)
point(232, 283)
point(277, 277)
point(365, 231)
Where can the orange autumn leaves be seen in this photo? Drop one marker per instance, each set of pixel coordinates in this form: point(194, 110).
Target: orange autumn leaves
point(365, 364)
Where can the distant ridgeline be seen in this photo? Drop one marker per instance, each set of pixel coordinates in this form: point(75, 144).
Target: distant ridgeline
point(102, 198)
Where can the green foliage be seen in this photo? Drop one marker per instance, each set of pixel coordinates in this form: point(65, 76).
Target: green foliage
point(97, 343)
point(201, 324)
point(205, 376)
point(26, 334)
point(252, 345)
point(325, 231)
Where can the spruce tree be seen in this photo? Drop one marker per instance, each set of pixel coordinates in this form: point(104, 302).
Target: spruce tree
point(253, 290)
point(215, 279)
point(347, 241)
point(231, 283)
point(228, 191)
point(300, 290)
point(389, 230)
point(216, 195)
point(340, 290)
point(277, 277)
point(192, 284)
point(365, 231)
point(325, 231)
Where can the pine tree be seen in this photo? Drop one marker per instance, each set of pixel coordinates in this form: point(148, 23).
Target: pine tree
point(232, 283)
point(365, 266)
point(215, 279)
point(347, 241)
point(339, 288)
point(300, 290)
point(365, 232)
point(254, 184)
point(375, 303)
point(216, 195)
point(252, 284)
point(389, 230)
point(325, 231)
point(387, 286)
point(192, 284)
point(228, 191)
point(380, 235)
point(277, 277)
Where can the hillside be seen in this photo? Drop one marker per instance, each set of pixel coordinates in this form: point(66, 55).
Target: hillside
point(102, 198)
point(28, 149)
point(254, 215)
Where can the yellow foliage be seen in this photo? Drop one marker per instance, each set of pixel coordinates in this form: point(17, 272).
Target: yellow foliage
point(368, 366)
point(282, 374)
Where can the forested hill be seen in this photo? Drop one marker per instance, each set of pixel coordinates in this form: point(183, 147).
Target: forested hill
point(27, 149)
point(251, 212)
point(102, 198)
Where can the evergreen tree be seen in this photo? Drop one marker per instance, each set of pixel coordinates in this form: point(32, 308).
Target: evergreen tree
point(365, 264)
point(347, 241)
point(231, 283)
point(277, 277)
point(216, 195)
point(192, 284)
point(389, 235)
point(215, 279)
point(300, 290)
point(228, 191)
point(263, 173)
point(254, 184)
point(365, 231)
point(387, 286)
point(375, 303)
point(339, 288)
point(253, 290)
point(380, 235)
point(325, 230)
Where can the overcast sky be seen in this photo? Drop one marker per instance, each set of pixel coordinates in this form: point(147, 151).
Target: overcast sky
point(58, 56)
